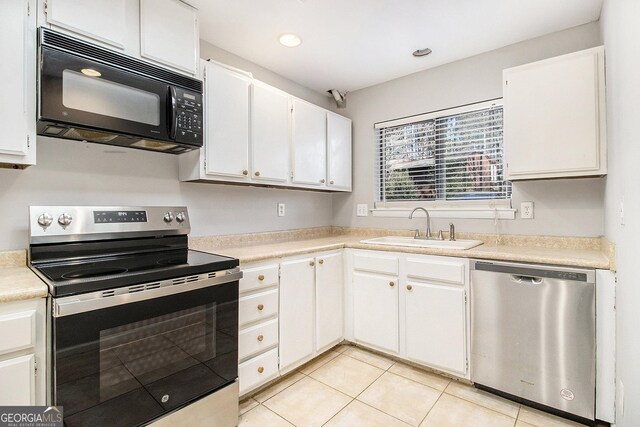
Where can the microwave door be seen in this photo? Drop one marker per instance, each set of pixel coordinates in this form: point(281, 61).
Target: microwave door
point(84, 93)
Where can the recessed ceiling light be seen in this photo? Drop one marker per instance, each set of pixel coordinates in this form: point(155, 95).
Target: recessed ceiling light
point(91, 72)
point(422, 52)
point(290, 40)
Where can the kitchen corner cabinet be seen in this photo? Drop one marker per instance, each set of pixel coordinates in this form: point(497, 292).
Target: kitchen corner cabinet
point(329, 300)
point(226, 121)
point(23, 353)
point(309, 144)
point(338, 152)
point(18, 103)
point(555, 118)
point(269, 133)
point(177, 48)
point(375, 310)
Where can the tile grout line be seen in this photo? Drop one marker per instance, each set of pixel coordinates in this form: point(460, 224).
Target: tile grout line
point(482, 406)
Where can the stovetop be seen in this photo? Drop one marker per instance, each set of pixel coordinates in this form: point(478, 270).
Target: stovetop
point(69, 277)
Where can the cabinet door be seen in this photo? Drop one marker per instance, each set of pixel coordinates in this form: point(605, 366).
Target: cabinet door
point(435, 325)
point(338, 152)
point(227, 121)
point(375, 310)
point(296, 311)
point(270, 133)
point(17, 381)
point(18, 71)
point(554, 117)
point(103, 20)
point(309, 142)
point(169, 34)
point(329, 300)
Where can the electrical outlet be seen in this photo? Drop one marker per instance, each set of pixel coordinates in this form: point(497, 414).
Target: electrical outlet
point(526, 210)
point(362, 209)
point(281, 209)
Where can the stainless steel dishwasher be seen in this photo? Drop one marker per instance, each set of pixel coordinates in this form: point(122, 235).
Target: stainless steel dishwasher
point(533, 334)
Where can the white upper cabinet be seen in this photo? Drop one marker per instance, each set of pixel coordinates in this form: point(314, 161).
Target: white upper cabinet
point(169, 33)
point(338, 152)
point(554, 117)
point(226, 121)
point(18, 71)
point(329, 300)
point(102, 20)
point(309, 142)
point(269, 133)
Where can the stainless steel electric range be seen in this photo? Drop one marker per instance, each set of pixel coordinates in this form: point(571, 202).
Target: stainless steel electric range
point(141, 325)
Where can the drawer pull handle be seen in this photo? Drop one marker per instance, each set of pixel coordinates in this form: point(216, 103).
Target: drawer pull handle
point(392, 284)
point(260, 338)
point(321, 262)
point(331, 182)
point(260, 369)
point(312, 263)
point(322, 181)
point(260, 307)
point(409, 287)
point(257, 173)
point(261, 277)
point(245, 172)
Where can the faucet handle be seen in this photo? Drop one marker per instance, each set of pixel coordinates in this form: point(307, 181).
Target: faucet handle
point(452, 232)
point(440, 236)
point(416, 234)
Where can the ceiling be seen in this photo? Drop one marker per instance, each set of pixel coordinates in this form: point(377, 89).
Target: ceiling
point(352, 44)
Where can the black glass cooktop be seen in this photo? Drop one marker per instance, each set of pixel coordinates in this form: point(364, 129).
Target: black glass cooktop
point(69, 276)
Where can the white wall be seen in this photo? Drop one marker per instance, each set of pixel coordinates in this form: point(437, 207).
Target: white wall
point(563, 207)
point(621, 34)
point(73, 173)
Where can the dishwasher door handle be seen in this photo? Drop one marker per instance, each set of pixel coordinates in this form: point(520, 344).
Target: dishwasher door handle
point(525, 280)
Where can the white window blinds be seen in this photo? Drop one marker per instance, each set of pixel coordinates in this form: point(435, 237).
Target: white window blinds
point(454, 154)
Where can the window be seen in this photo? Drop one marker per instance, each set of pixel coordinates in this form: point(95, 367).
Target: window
point(449, 155)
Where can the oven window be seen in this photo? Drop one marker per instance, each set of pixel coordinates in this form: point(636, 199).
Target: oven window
point(97, 95)
point(138, 370)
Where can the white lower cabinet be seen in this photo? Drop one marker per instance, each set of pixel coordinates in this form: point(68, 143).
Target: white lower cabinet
point(17, 375)
point(258, 370)
point(329, 300)
point(297, 310)
point(375, 310)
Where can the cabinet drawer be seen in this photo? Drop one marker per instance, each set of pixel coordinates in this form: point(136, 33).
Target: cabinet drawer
point(441, 271)
point(376, 263)
point(258, 307)
point(259, 277)
point(258, 370)
point(257, 338)
point(17, 331)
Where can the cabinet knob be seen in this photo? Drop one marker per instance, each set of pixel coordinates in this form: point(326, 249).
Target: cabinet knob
point(257, 173)
point(245, 172)
point(392, 284)
point(260, 369)
point(409, 287)
point(311, 263)
point(260, 338)
point(331, 182)
point(321, 262)
point(260, 307)
point(322, 181)
point(261, 277)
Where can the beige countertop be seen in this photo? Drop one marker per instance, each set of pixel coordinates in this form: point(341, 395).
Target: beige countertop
point(17, 281)
point(580, 255)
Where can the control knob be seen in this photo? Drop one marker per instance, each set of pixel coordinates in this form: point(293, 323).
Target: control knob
point(45, 220)
point(168, 217)
point(180, 217)
point(65, 219)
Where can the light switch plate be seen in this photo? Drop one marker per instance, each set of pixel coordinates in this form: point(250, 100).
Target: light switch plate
point(362, 209)
point(526, 210)
point(281, 210)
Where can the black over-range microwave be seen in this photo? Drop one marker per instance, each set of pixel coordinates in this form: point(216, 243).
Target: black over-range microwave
point(91, 94)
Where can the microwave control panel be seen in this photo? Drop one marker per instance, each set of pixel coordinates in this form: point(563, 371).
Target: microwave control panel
point(188, 117)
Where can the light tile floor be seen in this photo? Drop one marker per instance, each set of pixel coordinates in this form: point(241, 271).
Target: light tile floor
point(352, 387)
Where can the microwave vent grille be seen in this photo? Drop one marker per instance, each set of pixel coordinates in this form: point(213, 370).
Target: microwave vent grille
point(56, 40)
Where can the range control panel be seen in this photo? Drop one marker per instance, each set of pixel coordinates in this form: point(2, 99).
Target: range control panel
point(188, 117)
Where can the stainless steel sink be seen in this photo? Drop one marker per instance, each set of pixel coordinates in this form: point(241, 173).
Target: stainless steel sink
point(421, 243)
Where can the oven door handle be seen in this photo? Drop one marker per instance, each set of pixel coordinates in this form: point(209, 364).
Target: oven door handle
point(70, 305)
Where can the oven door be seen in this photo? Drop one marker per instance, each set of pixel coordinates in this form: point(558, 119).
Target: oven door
point(80, 92)
point(127, 359)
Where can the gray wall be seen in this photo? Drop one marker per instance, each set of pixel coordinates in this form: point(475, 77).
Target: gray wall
point(73, 173)
point(562, 207)
point(621, 33)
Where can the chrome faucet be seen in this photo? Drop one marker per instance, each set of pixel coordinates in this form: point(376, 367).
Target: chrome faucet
point(428, 233)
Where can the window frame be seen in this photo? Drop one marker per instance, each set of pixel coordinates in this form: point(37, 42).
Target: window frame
point(479, 208)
